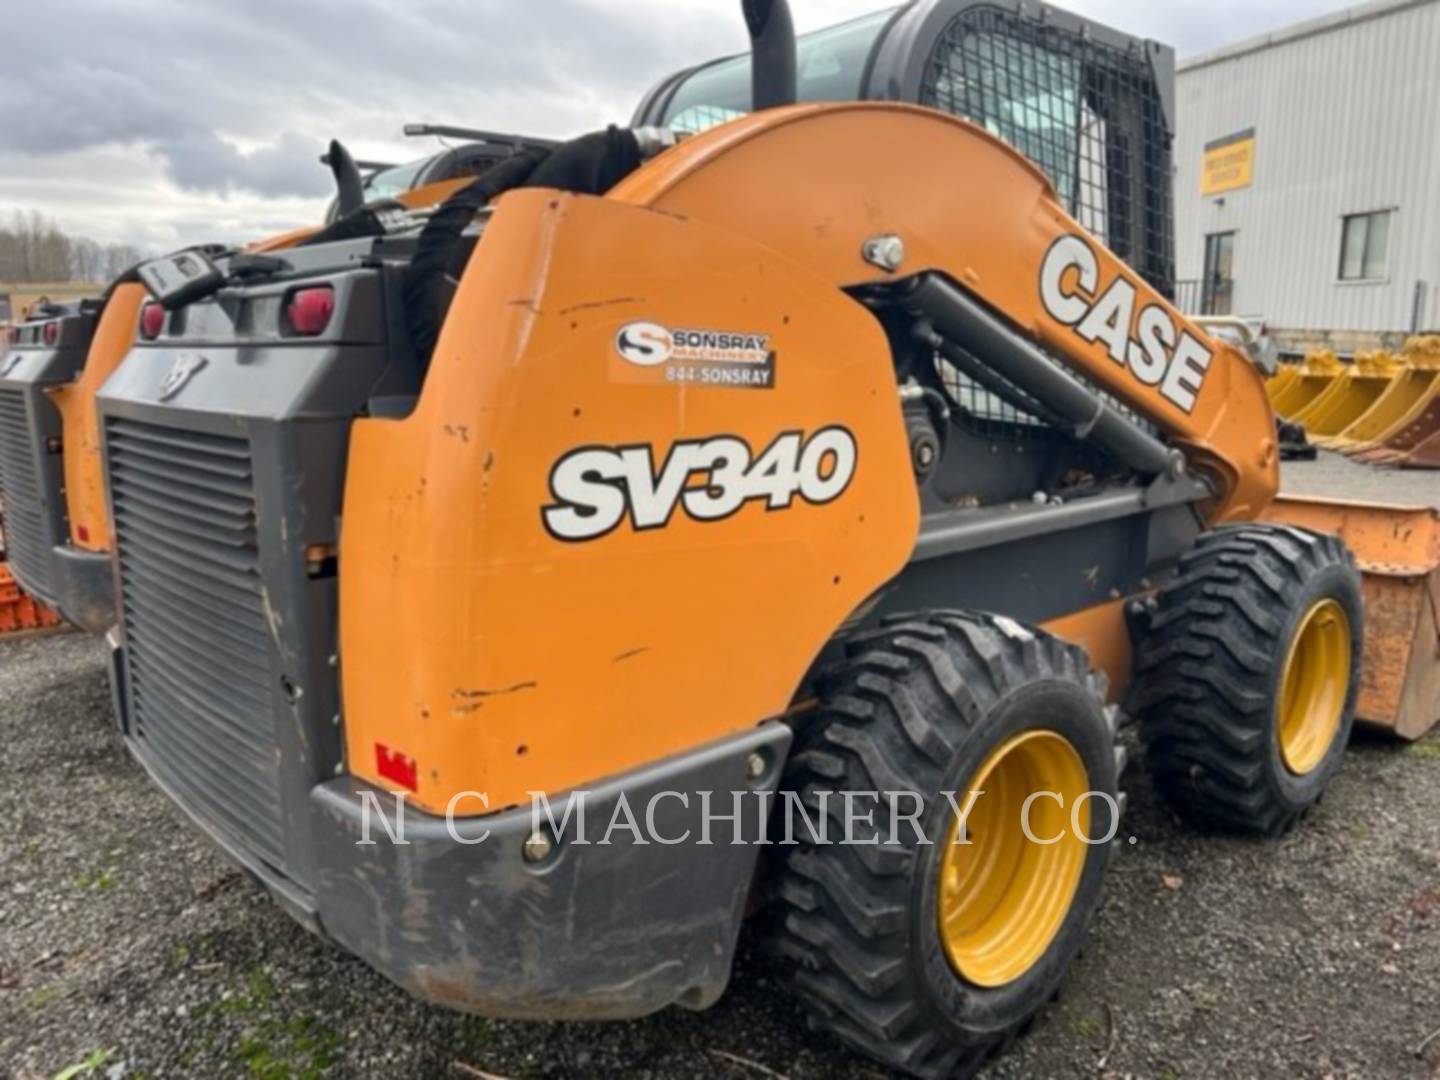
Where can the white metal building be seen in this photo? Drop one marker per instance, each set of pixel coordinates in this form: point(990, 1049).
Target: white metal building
point(1308, 177)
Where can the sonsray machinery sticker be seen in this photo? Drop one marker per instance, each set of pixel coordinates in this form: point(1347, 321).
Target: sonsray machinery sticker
point(657, 354)
point(596, 488)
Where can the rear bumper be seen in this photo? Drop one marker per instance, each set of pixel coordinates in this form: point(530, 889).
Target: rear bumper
point(84, 588)
point(457, 916)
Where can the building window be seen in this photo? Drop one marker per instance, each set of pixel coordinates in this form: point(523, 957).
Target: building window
point(1218, 289)
point(1365, 246)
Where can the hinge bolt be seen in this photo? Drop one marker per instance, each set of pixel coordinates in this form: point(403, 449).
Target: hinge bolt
point(755, 766)
point(886, 252)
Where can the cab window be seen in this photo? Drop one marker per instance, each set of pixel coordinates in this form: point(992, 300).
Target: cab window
point(831, 67)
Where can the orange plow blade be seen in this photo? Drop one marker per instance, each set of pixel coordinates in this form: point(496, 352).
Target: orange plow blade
point(1398, 549)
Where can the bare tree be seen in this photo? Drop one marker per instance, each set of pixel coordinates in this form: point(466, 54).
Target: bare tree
point(33, 249)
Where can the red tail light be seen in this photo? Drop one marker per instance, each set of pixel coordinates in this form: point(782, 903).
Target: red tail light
point(309, 310)
point(52, 333)
point(152, 321)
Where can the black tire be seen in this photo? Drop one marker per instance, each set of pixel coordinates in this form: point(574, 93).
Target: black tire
point(1211, 667)
point(918, 706)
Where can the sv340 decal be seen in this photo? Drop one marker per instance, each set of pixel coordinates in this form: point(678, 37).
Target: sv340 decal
point(596, 488)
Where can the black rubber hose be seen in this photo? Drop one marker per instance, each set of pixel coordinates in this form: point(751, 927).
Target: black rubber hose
point(590, 165)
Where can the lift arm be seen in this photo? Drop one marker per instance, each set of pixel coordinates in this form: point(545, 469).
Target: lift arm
point(819, 182)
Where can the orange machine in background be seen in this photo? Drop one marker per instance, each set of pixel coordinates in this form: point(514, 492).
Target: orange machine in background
point(19, 611)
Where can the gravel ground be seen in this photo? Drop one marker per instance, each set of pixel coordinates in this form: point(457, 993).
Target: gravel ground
point(127, 943)
point(1338, 477)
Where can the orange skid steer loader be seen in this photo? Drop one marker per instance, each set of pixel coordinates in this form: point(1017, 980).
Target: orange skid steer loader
point(829, 448)
point(53, 365)
point(53, 554)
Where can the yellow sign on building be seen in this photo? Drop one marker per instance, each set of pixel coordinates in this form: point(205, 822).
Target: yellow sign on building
point(1229, 163)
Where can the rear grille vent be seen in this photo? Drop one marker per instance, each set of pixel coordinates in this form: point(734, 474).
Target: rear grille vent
point(28, 540)
point(196, 635)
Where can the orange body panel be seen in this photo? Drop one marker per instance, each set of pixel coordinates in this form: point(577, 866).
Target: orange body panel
point(510, 662)
point(817, 181)
point(84, 477)
point(501, 660)
point(430, 194)
point(284, 240)
point(1104, 634)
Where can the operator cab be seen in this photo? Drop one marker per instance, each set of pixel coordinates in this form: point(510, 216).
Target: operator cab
point(830, 67)
point(454, 163)
point(1090, 106)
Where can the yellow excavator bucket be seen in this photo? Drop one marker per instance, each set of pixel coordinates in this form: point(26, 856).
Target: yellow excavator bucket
point(1315, 376)
point(1278, 383)
point(1351, 396)
point(1398, 549)
point(1419, 438)
point(1424, 456)
point(1414, 390)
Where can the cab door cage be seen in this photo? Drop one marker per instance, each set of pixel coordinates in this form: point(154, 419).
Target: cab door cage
point(1091, 106)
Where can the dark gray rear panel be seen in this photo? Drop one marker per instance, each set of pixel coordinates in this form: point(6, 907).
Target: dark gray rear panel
point(32, 477)
point(225, 451)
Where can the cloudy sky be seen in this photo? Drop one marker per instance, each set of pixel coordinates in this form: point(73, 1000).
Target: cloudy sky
point(167, 122)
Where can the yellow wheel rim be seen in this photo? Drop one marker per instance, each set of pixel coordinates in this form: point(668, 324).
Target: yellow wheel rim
point(1313, 687)
point(1003, 897)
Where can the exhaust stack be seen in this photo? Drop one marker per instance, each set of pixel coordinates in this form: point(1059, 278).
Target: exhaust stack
point(349, 186)
point(774, 61)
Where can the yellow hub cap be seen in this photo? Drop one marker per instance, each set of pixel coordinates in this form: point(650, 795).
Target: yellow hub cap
point(1003, 897)
point(1313, 687)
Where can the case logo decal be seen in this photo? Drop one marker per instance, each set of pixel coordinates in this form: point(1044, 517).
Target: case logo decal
point(596, 488)
point(1149, 344)
point(180, 373)
point(657, 354)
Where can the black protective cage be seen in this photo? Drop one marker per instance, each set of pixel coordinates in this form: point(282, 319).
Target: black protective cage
point(1093, 107)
